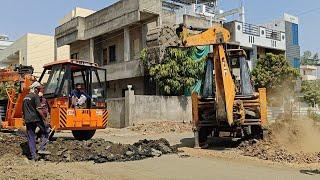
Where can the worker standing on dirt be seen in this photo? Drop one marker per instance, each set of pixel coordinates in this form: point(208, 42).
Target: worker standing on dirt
point(33, 118)
point(45, 109)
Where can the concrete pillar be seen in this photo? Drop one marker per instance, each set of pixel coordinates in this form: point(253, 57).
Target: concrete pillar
point(126, 44)
point(55, 55)
point(91, 53)
point(129, 104)
point(159, 21)
point(144, 31)
point(253, 56)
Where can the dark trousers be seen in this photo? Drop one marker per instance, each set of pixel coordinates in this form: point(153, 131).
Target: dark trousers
point(31, 135)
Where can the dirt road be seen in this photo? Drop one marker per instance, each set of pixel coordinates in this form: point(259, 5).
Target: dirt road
point(166, 167)
point(217, 162)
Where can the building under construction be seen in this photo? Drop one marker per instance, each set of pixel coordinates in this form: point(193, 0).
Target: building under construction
point(114, 36)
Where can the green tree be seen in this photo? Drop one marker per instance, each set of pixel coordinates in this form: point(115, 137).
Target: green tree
point(176, 72)
point(311, 92)
point(274, 72)
point(308, 59)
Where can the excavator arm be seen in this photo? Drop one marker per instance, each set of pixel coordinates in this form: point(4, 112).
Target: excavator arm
point(225, 87)
point(212, 36)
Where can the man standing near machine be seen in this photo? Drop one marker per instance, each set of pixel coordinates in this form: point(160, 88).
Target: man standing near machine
point(33, 118)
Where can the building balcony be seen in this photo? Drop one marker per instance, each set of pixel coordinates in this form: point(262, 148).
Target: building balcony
point(117, 16)
point(308, 67)
point(249, 35)
point(124, 70)
point(309, 77)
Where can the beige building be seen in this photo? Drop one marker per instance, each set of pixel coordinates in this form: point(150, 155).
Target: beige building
point(32, 49)
point(309, 72)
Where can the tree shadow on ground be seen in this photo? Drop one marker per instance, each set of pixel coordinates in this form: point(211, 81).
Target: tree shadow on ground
point(310, 172)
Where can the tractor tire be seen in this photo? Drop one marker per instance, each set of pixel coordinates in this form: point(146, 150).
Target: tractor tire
point(247, 131)
point(83, 135)
point(0, 122)
point(257, 132)
point(216, 133)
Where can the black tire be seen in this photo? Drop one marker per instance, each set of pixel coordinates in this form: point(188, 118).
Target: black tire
point(83, 135)
point(216, 133)
point(0, 122)
point(247, 131)
point(257, 132)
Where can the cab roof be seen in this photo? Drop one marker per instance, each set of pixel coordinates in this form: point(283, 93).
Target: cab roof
point(73, 62)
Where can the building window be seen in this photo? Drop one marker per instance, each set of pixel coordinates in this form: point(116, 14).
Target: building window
point(262, 32)
point(105, 56)
point(112, 53)
point(295, 34)
point(74, 56)
point(296, 63)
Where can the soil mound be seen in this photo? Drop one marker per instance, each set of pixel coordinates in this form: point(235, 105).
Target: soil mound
point(97, 150)
point(292, 141)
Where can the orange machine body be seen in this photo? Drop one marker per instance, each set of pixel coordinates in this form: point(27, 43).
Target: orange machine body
point(14, 116)
point(62, 117)
point(64, 75)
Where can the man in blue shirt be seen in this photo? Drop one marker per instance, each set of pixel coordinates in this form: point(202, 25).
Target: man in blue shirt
point(79, 96)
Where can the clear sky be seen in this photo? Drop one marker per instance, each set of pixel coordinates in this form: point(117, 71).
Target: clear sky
point(18, 17)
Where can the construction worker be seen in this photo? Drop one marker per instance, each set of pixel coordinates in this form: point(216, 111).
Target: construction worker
point(78, 96)
point(33, 118)
point(45, 109)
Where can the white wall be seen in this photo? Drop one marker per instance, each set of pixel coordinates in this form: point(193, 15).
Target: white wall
point(261, 40)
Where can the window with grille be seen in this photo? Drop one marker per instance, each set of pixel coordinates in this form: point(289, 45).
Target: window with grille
point(295, 34)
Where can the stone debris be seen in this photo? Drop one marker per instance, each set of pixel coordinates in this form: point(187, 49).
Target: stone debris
point(97, 150)
point(272, 147)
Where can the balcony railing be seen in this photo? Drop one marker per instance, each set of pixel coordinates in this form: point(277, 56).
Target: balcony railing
point(251, 29)
point(255, 30)
point(273, 34)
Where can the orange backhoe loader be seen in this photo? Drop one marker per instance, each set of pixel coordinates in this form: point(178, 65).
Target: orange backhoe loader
point(59, 78)
point(227, 101)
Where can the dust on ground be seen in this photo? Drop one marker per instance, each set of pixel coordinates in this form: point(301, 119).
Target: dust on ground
point(162, 127)
point(291, 141)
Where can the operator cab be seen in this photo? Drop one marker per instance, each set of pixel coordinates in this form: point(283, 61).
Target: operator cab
point(240, 71)
point(64, 75)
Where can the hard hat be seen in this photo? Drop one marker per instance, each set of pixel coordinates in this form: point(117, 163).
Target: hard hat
point(35, 85)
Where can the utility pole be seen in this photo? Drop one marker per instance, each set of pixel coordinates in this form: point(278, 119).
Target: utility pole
point(242, 13)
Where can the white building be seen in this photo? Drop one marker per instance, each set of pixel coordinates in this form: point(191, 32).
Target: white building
point(4, 42)
point(290, 25)
point(32, 49)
